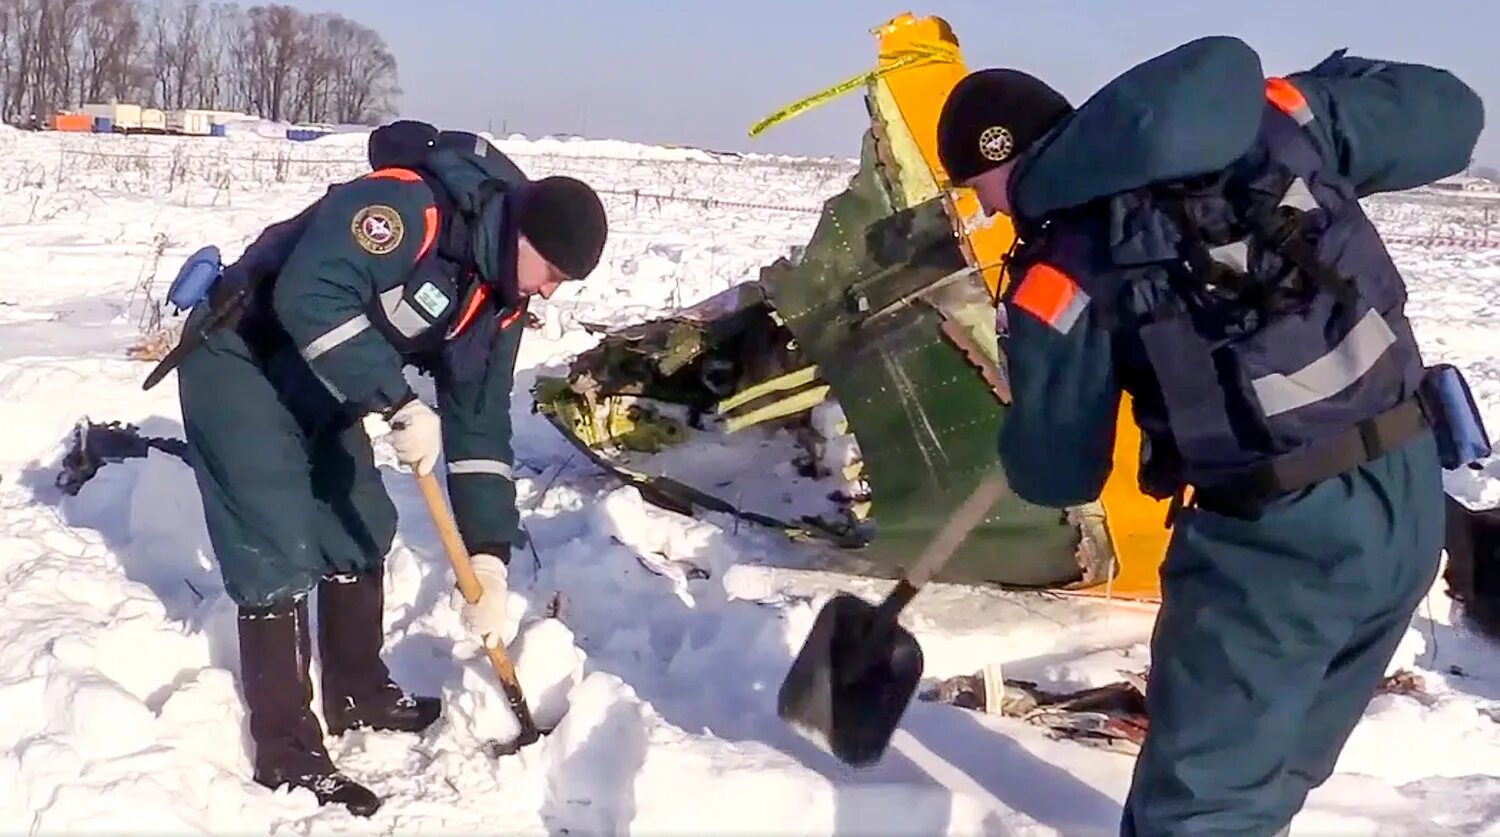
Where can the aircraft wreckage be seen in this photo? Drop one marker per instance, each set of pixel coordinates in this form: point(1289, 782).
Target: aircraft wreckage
point(850, 395)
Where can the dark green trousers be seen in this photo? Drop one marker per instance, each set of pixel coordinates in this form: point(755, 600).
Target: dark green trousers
point(1272, 637)
point(289, 485)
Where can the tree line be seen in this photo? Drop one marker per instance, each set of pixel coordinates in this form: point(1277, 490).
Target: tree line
point(272, 61)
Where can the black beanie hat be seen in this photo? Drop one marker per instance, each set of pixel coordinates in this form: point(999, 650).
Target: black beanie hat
point(991, 117)
point(400, 143)
point(564, 220)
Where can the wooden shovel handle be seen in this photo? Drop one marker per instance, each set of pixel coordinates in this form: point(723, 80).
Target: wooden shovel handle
point(453, 545)
point(938, 551)
point(958, 527)
point(470, 588)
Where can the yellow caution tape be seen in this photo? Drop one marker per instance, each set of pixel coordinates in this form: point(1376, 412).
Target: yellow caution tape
point(920, 54)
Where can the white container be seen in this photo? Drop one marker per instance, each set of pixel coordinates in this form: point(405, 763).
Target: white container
point(239, 126)
point(121, 115)
point(197, 122)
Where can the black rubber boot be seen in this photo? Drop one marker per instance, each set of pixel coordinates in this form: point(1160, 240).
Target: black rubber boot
point(275, 646)
point(358, 692)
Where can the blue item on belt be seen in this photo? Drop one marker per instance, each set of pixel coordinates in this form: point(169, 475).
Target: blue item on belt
point(196, 278)
point(1456, 422)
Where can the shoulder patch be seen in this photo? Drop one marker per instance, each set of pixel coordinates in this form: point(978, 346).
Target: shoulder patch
point(1051, 296)
point(378, 229)
point(1288, 99)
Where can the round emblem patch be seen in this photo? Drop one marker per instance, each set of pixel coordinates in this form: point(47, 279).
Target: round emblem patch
point(378, 229)
point(996, 144)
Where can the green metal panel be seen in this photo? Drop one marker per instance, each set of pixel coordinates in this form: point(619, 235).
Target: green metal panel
point(880, 301)
point(925, 418)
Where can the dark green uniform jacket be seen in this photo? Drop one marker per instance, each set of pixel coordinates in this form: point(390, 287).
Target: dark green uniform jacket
point(1276, 626)
point(273, 407)
point(364, 294)
point(1385, 126)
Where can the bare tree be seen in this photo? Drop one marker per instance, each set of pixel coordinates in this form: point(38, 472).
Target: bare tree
point(274, 46)
point(111, 47)
point(185, 50)
point(269, 60)
point(60, 30)
point(310, 67)
point(212, 75)
point(176, 35)
point(363, 74)
point(9, 10)
point(31, 60)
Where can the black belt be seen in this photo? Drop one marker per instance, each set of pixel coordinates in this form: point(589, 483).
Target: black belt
point(1371, 439)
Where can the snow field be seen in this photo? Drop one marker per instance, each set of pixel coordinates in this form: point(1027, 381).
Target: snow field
point(119, 705)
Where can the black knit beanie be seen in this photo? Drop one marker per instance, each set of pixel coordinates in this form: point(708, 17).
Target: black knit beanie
point(564, 220)
point(401, 143)
point(991, 117)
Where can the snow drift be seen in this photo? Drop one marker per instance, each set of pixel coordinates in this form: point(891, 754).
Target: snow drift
point(117, 650)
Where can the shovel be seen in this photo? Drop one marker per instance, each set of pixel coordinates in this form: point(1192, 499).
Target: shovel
point(469, 586)
point(858, 669)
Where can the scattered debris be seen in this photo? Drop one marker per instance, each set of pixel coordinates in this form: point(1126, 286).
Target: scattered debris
point(1403, 682)
point(1111, 717)
point(555, 605)
point(95, 445)
point(1472, 573)
point(152, 346)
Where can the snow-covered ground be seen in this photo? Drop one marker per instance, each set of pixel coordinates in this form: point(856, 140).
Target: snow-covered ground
point(119, 709)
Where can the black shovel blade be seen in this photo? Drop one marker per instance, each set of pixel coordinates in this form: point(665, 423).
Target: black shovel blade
point(499, 749)
point(851, 683)
point(530, 733)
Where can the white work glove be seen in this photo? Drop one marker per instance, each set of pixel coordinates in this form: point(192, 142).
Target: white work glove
point(486, 617)
point(417, 436)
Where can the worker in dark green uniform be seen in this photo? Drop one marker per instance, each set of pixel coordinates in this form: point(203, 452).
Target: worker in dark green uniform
point(428, 264)
point(1193, 235)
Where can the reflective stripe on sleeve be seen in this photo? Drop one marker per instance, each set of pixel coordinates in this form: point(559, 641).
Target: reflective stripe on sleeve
point(481, 466)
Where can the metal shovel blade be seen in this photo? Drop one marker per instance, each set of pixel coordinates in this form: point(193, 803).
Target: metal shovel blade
point(852, 680)
point(499, 749)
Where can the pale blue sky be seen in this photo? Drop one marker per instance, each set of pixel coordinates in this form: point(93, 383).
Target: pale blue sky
point(700, 73)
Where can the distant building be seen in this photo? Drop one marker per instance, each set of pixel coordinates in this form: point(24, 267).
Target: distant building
point(1464, 183)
